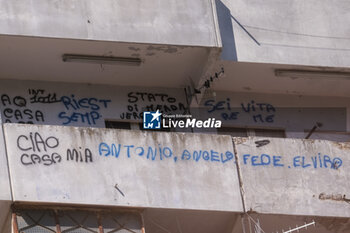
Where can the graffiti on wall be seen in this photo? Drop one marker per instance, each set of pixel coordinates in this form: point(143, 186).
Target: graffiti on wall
point(138, 102)
point(299, 161)
point(41, 96)
point(49, 150)
point(83, 110)
point(160, 153)
point(21, 109)
point(16, 110)
point(37, 149)
point(259, 112)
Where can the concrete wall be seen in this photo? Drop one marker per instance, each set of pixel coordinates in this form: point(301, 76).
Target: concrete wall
point(5, 194)
point(158, 22)
point(66, 104)
point(297, 114)
point(5, 187)
point(83, 105)
point(53, 164)
point(122, 168)
point(286, 32)
point(300, 177)
point(310, 33)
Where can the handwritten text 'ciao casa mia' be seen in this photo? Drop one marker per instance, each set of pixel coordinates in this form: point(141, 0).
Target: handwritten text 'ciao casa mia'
point(37, 149)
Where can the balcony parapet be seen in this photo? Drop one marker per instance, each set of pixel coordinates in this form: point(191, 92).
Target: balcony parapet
point(92, 166)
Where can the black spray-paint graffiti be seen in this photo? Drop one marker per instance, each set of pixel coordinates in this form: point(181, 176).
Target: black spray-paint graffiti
point(79, 155)
point(36, 149)
point(84, 110)
point(42, 150)
point(40, 96)
point(259, 112)
point(145, 101)
point(261, 143)
point(16, 111)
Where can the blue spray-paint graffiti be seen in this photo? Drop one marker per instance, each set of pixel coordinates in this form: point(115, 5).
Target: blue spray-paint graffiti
point(259, 112)
point(75, 109)
point(299, 161)
point(263, 160)
point(162, 153)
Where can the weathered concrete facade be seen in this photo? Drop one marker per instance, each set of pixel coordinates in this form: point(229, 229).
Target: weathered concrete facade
point(164, 22)
point(124, 168)
point(195, 171)
point(66, 104)
point(310, 33)
point(288, 176)
point(55, 164)
point(5, 187)
point(272, 69)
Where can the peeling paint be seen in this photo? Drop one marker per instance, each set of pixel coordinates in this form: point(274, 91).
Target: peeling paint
point(165, 49)
point(307, 141)
point(239, 140)
point(134, 48)
point(342, 146)
point(333, 197)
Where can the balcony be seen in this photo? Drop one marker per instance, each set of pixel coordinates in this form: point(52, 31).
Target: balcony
point(181, 44)
point(173, 40)
point(90, 166)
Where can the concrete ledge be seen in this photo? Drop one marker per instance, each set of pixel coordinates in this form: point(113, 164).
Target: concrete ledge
point(181, 22)
point(53, 164)
point(295, 177)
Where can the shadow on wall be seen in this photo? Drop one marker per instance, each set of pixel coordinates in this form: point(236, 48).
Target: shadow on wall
point(226, 31)
point(5, 217)
point(189, 221)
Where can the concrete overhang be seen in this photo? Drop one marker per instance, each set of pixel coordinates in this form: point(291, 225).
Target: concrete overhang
point(311, 33)
point(174, 40)
point(34, 58)
point(182, 22)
